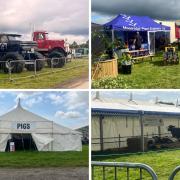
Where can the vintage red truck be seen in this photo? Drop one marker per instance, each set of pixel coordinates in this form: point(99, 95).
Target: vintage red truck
point(51, 48)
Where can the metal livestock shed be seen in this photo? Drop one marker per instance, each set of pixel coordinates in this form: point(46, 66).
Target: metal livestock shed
point(125, 118)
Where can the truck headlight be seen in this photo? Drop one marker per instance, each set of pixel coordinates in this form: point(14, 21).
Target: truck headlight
point(32, 50)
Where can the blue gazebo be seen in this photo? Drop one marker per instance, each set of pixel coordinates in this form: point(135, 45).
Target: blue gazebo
point(144, 24)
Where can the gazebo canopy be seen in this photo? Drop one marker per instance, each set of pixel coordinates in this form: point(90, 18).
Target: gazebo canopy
point(135, 23)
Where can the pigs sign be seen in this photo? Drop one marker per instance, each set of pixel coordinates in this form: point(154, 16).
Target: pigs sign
point(23, 126)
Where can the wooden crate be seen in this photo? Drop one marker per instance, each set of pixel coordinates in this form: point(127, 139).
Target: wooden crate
point(108, 68)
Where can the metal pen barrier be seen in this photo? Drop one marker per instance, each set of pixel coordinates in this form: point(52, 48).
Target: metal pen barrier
point(126, 165)
point(34, 69)
point(174, 173)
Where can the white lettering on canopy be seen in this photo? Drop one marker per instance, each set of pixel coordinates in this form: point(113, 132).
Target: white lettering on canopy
point(129, 20)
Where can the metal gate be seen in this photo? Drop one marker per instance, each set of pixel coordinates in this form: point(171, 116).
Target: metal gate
point(174, 173)
point(126, 165)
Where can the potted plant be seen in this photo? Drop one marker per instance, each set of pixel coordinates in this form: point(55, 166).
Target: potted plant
point(119, 47)
point(125, 64)
point(104, 56)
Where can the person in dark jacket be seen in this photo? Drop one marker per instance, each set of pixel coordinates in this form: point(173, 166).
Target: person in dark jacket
point(137, 41)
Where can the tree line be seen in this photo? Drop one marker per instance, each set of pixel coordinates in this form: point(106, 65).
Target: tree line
point(76, 45)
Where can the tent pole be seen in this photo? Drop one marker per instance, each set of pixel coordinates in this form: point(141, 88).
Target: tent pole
point(112, 40)
point(22, 141)
point(133, 128)
point(101, 117)
point(127, 40)
point(142, 131)
point(154, 43)
point(148, 35)
point(159, 131)
point(30, 142)
point(52, 136)
point(112, 35)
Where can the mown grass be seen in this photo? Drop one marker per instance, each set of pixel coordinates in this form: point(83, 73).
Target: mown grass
point(46, 81)
point(146, 75)
point(34, 159)
point(162, 163)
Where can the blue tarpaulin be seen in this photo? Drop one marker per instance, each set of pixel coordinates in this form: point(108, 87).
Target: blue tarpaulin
point(135, 23)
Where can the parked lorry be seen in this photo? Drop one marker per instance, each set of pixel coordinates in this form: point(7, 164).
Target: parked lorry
point(14, 53)
point(51, 49)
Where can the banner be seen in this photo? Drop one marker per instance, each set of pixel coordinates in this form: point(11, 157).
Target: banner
point(153, 122)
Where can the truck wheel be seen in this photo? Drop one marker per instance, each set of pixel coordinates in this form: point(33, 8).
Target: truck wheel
point(16, 67)
point(39, 64)
point(59, 63)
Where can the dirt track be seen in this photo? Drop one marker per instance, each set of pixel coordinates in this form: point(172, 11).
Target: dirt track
point(77, 83)
point(44, 174)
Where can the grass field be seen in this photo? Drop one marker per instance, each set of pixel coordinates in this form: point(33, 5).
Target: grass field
point(163, 164)
point(44, 159)
point(71, 70)
point(147, 75)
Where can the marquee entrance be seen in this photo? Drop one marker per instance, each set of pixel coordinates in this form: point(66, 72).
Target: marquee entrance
point(23, 142)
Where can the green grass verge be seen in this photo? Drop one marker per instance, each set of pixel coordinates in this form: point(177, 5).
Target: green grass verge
point(146, 75)
point(46, 81)
point(162, 163)
point(44, 159)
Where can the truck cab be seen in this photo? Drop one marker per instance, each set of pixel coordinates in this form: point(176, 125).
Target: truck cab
point(45, 44)
point(13, 43)
point(9, 43)
point(40, 37)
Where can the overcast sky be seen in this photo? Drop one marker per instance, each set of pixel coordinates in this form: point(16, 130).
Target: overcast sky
point(69, 109)
point(63, 18)
point(144, 95)
point(157, 9)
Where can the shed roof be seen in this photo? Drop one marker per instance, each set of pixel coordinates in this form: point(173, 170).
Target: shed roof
point(133, 107)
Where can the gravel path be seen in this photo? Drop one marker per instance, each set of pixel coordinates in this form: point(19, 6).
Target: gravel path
point(44, 174)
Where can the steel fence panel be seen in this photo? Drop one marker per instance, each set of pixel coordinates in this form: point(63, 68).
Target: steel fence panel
point(126, 165)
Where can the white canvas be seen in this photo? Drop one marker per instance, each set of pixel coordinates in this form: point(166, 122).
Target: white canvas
point(47, 135)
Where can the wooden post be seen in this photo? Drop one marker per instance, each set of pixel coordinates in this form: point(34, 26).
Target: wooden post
point(101, 117)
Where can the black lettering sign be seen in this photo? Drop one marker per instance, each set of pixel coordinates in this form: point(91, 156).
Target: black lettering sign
point(23, 126)
point(28, 126)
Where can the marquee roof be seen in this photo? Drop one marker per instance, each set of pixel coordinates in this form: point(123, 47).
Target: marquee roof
point(19, 114)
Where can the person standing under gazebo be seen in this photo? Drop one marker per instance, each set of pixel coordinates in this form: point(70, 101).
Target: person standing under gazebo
point(138, 41)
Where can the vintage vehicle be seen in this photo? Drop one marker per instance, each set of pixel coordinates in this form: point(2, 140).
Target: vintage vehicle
point(51, 49)
point(14, 53)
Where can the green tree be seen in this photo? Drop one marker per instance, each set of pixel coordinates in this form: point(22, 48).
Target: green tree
point(74, 45)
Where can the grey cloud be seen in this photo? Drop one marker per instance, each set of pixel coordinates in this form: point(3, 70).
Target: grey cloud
point(65, 17)
point(157, 9)
point(77, 31)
